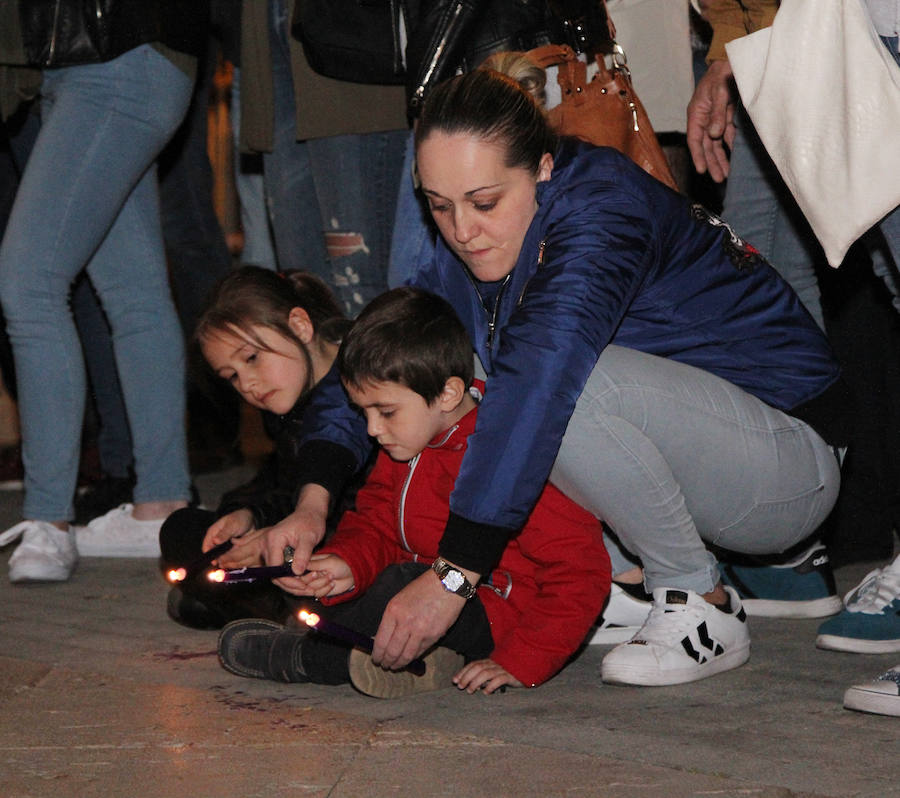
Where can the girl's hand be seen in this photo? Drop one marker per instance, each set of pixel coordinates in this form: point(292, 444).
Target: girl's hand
point(247, 550)
point(485, 675)
point(327, 575)
point(302, 530)
point(248, 543)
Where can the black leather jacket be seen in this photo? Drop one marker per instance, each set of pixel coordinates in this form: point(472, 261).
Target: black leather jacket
point(450, 36)
point(65, 32)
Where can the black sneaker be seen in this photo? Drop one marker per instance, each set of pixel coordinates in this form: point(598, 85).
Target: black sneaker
point(260, 649)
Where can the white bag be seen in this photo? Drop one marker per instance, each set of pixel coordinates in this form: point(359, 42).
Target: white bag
point(824, 95)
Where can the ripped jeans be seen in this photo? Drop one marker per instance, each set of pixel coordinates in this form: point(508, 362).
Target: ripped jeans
point(331, 200)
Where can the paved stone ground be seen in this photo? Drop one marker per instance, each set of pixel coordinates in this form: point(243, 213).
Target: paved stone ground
point(102, 695)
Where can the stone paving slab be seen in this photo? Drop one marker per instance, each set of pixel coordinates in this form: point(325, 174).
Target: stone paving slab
point(83, 734)
point(102, 695)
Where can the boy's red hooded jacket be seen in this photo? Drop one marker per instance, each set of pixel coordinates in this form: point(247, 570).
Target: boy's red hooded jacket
point(548, 587)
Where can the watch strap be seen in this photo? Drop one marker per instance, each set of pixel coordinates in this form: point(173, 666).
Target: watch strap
point(452, 579)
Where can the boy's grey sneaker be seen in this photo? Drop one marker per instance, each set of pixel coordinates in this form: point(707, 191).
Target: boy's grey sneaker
point(46, 554)
point(870, 621)
point(880, 697)
point(803, 587)
point(441, 664)
point(259, 649)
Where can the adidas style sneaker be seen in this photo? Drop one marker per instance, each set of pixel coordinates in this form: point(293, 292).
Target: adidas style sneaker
point(870, 620)
point(802, 587)
point(685, 638)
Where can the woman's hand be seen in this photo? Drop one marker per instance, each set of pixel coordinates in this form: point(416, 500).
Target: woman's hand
point(414, 620)
point(248, 543)
point(327, 575)
point(485, 675)
point(302, 530)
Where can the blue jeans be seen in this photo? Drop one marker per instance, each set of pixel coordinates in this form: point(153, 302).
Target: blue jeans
point(89, 200)
point(259, 249)
point(414, 231)
point(761, 209)
point(673, 457)
point(331, 199)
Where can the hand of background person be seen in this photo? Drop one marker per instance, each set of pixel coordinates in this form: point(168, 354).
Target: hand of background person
point(327, 575)
point(485, 675)
point(248, 543)
point(414, 620)
point(302, 530)
point(710, 120)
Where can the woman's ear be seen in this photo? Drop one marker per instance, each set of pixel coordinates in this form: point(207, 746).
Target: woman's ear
point(301, 325)
point(452, 395)
point(545, 167)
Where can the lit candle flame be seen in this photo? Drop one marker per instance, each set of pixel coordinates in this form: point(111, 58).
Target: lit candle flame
point(177, 575)
point(216, 576)
point(309, 618)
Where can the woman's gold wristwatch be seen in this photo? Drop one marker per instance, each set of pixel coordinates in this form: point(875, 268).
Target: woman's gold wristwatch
point(453, 580)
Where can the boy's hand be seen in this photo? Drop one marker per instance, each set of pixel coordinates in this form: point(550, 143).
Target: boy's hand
point(485, 675)
point(327, 575)
point(248, 543)
point(302, 530)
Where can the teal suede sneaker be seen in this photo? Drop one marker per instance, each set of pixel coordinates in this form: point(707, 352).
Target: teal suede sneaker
point(870, 621)
point(802, 587)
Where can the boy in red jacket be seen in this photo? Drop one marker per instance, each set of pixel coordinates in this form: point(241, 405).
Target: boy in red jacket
point(407, 364)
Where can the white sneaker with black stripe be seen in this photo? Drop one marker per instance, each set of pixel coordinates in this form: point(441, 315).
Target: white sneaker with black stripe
point(685, 638)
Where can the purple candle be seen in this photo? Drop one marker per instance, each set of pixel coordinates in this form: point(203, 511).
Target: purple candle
point(416, 666)
point(251, 574)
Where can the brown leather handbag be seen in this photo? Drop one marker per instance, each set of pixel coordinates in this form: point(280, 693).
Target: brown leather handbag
point(606, 110)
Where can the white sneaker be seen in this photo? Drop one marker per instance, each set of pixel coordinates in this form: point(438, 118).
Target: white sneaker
point(685, 638)
point(46, 554)
point(622, 618)
point(881, 697)
point(119, 534)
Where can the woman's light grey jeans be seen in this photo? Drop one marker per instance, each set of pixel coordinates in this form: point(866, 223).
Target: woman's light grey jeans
point(670, 457)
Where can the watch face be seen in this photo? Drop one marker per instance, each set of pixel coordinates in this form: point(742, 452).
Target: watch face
point(454, 580)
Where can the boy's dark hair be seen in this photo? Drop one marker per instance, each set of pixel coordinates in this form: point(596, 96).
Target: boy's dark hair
point(411, 337)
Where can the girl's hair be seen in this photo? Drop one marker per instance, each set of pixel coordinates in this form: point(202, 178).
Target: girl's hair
point(410, 337)
point(255, 297)
point(493, 107)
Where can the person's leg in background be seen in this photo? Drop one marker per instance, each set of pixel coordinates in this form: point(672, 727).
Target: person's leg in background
point(103, 125)
point(290, 189)
point(259, 248)
point(761, 210)
point(198, 258)
point(412, 243)
point(110, 419)
point(357, 178)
